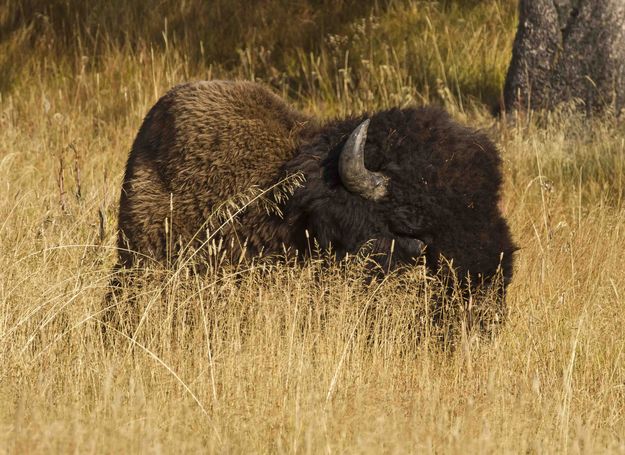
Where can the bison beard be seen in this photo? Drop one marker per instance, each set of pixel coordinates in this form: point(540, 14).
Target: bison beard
point(411, 178)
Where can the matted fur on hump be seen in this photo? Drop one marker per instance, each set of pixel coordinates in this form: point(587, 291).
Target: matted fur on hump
point(201, 144)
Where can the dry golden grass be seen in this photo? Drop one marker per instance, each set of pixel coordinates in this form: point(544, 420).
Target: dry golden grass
point(304, 359)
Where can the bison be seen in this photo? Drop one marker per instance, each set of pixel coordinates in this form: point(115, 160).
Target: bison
point(411, 184)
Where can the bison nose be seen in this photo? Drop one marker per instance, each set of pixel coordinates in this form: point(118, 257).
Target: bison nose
point(418, 246)
point(410, 246)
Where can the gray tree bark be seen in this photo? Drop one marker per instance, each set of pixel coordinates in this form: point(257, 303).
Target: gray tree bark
point(568, 51)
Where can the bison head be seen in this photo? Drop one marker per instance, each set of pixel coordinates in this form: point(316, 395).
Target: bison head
point(406, 183)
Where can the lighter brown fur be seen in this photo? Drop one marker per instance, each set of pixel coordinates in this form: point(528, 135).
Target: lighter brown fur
point(200, 145)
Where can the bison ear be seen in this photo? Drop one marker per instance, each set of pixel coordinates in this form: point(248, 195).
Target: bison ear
point(354, 175)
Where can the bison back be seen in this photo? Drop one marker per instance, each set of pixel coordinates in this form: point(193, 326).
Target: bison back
point(202, 144)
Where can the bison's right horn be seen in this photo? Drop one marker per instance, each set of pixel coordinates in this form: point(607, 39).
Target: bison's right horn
point(354, 175)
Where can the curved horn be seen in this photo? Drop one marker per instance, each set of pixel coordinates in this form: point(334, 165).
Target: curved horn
point(354, 175)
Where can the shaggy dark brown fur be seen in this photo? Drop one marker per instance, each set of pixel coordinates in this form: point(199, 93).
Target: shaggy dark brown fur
point(200, 145)
point(205, 142)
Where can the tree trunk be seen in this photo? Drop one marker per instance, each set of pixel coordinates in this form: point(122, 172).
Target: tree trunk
point(568, 51)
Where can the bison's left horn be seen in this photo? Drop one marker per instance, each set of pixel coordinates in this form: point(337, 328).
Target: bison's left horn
point(354, 175)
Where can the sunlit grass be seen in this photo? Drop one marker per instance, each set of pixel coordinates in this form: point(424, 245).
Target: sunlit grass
point(302, 358)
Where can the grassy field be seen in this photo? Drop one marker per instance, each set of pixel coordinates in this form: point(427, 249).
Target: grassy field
point(285, 361)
